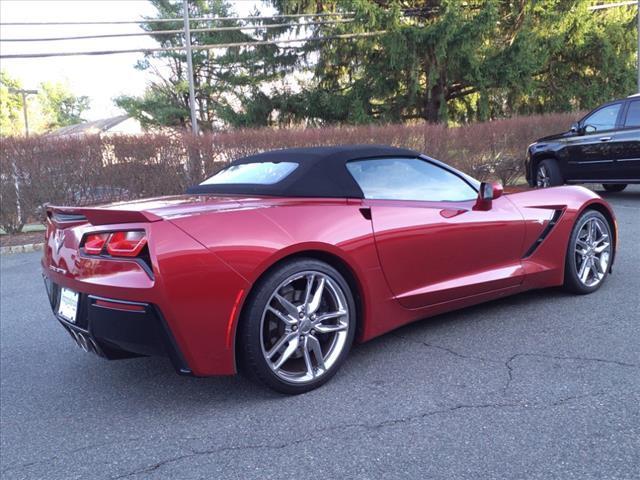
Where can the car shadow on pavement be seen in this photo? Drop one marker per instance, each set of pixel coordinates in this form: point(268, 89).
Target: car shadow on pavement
point(153, 379)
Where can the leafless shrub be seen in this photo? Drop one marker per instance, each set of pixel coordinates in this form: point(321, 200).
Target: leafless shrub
point(93, 169)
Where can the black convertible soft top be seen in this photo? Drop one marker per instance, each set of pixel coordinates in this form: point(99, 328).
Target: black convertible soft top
point(321, 172)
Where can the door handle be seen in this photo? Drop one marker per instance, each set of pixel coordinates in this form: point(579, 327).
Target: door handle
point(605, 139)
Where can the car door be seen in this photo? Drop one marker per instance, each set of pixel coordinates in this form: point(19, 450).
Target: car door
point(591, 153)
point(433, 246)
point(627, 143)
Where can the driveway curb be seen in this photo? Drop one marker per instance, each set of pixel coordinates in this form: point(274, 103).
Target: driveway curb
point(30, 247)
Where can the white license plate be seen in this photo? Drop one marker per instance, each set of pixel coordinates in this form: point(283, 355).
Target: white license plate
point(68, 304)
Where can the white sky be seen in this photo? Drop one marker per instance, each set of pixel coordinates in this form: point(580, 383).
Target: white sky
point(101, 78)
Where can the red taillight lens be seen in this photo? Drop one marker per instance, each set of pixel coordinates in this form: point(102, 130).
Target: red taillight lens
point(126, 244)
point(94, 243)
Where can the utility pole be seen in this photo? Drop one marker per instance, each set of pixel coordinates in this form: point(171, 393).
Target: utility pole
point(187, 44)
point(24, 94)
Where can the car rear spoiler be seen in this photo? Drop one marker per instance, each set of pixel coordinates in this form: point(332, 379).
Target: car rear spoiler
point(69, 216)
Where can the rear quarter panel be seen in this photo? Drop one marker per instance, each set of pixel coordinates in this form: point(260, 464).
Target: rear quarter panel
point(252, 239)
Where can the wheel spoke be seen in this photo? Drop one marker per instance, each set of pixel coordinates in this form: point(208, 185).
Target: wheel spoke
point(329, 315)
point(314, 344)
point(291, 348)
point(286, 338)
point(594, 270)
point(582, 243)
point(592, 231)
point(330, 328)
point(581, 252)
point(602, 247)
point(288, 306)
point(307, 292)
point(584, 271)
point(317, 297)
point(281, 316)
point(597, 267)
point(602, 239)
point(307, 357)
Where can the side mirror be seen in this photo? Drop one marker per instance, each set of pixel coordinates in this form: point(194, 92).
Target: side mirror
point(575, 127)
point(589, 129)
point(488, 192)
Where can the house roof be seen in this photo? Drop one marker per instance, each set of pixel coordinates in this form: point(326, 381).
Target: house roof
point(97, 126)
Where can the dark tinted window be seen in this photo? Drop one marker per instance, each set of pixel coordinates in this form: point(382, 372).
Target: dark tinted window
point(633, 114)
point(603, 119)
point(408, 179)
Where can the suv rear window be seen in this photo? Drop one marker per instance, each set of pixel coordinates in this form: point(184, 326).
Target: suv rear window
point(633, 114)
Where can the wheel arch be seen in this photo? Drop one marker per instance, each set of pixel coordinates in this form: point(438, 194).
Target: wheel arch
point(609, 217)
point(330, 258)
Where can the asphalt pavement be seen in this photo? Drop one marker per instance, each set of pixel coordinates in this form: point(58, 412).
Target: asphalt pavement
point(540, 385)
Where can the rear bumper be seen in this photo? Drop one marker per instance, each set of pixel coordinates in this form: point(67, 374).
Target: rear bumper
point(116, 329)
point(190, 295)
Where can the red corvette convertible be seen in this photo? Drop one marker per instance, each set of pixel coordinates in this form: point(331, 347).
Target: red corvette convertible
point(276, 264)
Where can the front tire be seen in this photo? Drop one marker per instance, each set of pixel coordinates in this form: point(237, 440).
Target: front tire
point(548, 174)
point(589, 253)
point(614, 187)
point(298, 326)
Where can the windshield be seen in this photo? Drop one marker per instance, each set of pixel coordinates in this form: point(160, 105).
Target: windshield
point(259, 173)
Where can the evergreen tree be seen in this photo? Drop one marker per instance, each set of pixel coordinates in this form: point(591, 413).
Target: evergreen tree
point(224, 78)
point(439, 61)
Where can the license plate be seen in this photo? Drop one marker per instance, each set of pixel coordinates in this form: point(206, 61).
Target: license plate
point(68, 304)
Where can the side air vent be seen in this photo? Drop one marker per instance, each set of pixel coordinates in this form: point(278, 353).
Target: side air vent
point(545, 233)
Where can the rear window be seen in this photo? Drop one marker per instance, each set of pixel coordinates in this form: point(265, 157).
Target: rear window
point(633, 114)
point(259, 173)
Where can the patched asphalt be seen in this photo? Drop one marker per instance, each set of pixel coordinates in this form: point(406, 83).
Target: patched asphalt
point(541, 385)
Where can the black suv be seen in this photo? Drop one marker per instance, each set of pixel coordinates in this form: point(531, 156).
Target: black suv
point(603, 147)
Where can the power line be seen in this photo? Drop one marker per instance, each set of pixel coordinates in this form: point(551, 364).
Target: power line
point(196, 47)
point(177, 20)
point(173, 32)
point(602, 6)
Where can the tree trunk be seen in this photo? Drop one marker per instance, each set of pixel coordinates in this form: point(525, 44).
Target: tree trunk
point(433, 104)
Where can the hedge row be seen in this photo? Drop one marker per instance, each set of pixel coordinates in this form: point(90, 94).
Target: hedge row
point(94, 169)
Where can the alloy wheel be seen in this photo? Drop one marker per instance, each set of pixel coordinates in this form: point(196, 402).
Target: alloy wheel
point(304, 327)
point(592, 252)
point(543, 179)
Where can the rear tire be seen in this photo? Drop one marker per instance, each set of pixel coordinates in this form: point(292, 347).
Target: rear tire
point(548, 174)
point(298, 326)
point(614, 187)
point(589, 253)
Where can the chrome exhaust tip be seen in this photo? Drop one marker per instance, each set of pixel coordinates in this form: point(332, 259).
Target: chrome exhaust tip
point(82, 341)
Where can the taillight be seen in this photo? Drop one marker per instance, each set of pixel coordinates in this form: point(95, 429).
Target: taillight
point(94, 243)
point(126, 244)
point(118, 244)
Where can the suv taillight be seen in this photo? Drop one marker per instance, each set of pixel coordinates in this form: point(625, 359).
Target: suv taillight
point(117, 244)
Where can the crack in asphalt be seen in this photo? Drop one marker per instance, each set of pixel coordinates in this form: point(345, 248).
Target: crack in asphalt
point(67, 452)
point(442, 348)
point(508, 363)
point(362, 426)
point(510, 367)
